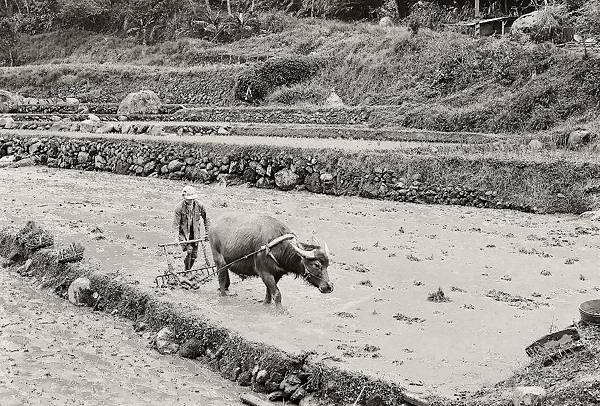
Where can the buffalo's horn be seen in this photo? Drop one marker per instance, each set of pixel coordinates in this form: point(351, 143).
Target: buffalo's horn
point(323, 246)
point(304, 253)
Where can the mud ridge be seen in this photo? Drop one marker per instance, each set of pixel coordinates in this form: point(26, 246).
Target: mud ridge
point(224, 351)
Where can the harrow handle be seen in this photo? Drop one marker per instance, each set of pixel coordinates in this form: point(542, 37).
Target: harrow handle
point(180, 242)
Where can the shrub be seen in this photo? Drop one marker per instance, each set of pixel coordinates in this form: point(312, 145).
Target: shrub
point(348, 10)
point(255, 83)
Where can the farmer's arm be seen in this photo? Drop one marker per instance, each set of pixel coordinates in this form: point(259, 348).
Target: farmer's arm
point(205, 219)
point(177, 223)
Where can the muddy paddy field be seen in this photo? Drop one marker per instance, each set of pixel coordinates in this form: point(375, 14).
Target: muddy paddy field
point(510, 277)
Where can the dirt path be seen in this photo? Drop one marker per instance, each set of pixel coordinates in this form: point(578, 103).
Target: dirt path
point(387, 258)
point(316, 143)
point(53, 353)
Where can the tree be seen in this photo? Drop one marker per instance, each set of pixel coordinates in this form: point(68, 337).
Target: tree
point(8, 42)
point(82, 13)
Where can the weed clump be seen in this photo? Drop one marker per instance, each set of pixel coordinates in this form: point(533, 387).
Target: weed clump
point(438, 296)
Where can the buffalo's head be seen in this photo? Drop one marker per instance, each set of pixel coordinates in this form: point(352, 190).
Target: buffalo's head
point(315, 259)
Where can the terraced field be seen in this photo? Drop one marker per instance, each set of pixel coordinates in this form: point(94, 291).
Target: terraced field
point(511, 277)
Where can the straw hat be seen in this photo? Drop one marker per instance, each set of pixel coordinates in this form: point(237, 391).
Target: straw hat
point(189, 193)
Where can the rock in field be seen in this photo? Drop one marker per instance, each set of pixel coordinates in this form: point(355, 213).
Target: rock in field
point(286, 179)
point(536, 145)
point(89, 126)
point(334, 100)
point(529, 396)
point(386, 22)
point(192, 348)
point(579, 138)
point(7, 122)
point(166, 342)
point(143, 102)
point(80, 293)
point(9, 102)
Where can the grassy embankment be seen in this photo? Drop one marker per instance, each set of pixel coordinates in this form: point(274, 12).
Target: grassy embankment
point(439, 80)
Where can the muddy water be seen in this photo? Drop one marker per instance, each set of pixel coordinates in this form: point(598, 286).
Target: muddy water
point(387, 258)
point(53, 353)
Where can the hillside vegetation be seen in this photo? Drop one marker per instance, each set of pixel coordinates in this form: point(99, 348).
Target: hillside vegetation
point(439, 79)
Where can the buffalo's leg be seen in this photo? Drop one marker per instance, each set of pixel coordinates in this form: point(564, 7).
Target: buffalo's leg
point(223, 273)
point(272, 289)
point(267, 297)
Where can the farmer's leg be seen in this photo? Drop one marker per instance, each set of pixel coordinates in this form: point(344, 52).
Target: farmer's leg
point(188, 256)
point(193, 255)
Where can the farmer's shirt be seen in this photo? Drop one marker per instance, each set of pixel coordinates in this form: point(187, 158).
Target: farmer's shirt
point(187, 220)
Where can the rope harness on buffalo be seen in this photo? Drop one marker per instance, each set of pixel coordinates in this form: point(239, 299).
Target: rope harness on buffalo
point(198, 276)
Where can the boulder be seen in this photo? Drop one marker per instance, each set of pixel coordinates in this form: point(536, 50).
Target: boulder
point(23, 162)
point(326, 177)
point(155, 130)
point(386, 22)
point(99, 162)
point(579, 138)
point(106, 129)
point(529, 396)
point(71, 101)
point(89, 126)
point(535, 21)
point(536, 145)
point(143, 102)
point(125, 128)
point(192, 348)
point(286, 179)
point(62, 125)
point(9, 102)
point(313, 183)
point(83, 157)
point(35, 148)
point(222, 131)
point(309, 400)
point(298, 395)
point(80, 292)
point(175, 165)
point(93, 117)
point(7, 122)
point(166, 342)
point(262, 376)
point(149, 168)
point(333, 100)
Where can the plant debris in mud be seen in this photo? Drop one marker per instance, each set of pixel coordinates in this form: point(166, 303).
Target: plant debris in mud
point(514, 300)
point(345, 315)
point(438, 296)
point(408, 319)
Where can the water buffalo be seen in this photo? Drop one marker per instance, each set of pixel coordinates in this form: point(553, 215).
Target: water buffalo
point(233, 236)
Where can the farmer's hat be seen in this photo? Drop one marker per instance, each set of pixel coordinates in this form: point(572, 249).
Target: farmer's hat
point(189, 193)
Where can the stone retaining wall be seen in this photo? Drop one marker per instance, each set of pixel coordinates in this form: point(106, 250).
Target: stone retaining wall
point(202, 86)
point(39, 110)
point(322, 115)
point(448, 178)
point(262, 368)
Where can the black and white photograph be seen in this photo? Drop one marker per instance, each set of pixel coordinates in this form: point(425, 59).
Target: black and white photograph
point(299, 202)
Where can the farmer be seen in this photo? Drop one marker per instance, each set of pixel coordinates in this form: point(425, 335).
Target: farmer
point(188, 214)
